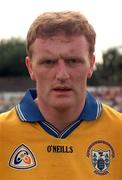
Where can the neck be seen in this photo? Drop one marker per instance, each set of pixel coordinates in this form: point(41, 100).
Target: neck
point(60, 118)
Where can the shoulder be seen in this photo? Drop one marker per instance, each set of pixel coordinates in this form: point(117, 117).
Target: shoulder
point(8, 116)
point(111, 111)
point(111, 115)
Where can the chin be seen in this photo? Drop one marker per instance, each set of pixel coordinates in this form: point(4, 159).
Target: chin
point(62, 106)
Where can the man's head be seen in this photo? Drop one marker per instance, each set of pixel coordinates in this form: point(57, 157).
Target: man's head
point(67, 23)
point(60, 59)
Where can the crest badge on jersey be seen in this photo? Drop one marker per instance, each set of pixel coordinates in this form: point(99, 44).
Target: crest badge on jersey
point(22, 158)
point(101, 154)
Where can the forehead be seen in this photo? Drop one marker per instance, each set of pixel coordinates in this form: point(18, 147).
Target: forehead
point(61, 44)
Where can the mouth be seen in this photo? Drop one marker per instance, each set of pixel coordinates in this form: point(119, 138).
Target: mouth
point(62, 89)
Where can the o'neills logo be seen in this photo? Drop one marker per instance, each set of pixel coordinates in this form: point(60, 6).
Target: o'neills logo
point(101, 153)
point(59, 149)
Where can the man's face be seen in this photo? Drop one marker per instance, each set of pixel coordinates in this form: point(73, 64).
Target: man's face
point(60, 66)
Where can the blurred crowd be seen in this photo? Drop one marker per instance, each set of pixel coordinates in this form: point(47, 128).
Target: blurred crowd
point(108, 95)
point(9, 99)
point(111, 96)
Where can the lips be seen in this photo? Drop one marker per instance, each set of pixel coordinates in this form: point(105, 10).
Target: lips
point(62, 89)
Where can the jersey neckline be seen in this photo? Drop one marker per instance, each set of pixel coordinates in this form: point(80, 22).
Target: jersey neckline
point(28, 111)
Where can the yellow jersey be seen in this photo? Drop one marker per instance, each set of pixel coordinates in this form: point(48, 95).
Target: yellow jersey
point(88, 149)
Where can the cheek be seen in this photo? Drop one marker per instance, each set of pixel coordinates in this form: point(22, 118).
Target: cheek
point(83, 73)
point(80, 80)
point(42, 81)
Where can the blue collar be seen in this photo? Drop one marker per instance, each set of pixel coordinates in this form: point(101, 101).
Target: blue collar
point(28, 111)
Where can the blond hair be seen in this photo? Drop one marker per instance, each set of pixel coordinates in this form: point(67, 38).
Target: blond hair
point(69, 23)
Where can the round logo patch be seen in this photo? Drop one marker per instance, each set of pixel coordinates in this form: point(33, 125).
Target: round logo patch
point(101, 153)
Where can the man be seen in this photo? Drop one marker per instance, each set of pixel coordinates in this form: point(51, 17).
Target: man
point(59, 131)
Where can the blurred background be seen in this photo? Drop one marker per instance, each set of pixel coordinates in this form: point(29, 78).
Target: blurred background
point(15, 19)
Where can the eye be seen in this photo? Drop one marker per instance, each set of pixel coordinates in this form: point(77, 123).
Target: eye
point(48, 62)
point(73, 61)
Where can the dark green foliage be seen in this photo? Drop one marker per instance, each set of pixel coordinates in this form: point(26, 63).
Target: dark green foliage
point(110, 71)
point(12, 56)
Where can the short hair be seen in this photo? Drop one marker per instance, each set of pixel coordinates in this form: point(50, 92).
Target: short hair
point(69, 23)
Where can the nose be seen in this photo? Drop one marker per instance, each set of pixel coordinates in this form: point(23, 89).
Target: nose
point(62, 71)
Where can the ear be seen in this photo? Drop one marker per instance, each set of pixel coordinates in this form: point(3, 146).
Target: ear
point(28, 63)
point(92, 63)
